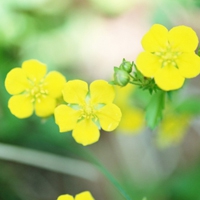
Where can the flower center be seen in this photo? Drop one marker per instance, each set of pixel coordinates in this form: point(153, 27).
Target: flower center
point(88, 112)
point(37, 91)
point(168, 56)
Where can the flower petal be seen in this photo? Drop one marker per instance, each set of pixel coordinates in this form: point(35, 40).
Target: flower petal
point(86, 132)
point(16, 81)
point(66, 117)
point(109, 117)
point(148, 64)
point(188, 65)
point(75, 91)
point(65, 197)
point(54, 83)
point(155, 39)
point(169, 78)
point(101, 92)
point(183, 38)
point(34, 69)
point(45, 106)
point(21, 106)
point(84, 196)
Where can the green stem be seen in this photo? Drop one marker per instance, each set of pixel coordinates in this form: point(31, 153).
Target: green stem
point(87, 155)
point(113, 181)
point(133, 78)
point(59, 163)
point(135, 83)
point(110, 177)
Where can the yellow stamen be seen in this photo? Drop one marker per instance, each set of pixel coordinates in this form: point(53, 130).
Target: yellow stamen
point(88, 112)
point(37, 91)
point(168, 56)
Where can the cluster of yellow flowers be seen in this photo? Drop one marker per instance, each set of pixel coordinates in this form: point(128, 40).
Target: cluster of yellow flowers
point(85, 110)
point(168, 58)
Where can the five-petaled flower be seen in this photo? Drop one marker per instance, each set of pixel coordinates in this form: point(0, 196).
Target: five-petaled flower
point(33, 90)
point(81, 196)
point(169, 56)
point(87, 110)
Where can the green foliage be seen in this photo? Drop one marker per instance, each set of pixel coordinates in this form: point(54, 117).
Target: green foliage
point(154, 109)
point(190, 106)
point(125, 74)
point(198, 52)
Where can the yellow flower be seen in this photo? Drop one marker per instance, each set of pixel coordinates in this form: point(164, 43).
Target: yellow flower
point(172, 129)
point(169, 56)
point(33, 90)
point(133, 117)
point(87, 110)
point(82, 196)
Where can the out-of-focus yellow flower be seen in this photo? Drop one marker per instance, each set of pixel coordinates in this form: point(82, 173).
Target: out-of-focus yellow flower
point(172, 129)
point(169, 56)
point(82, 196)
point(87, 110)
point(133, 117)
point(132, 120)
point(33, 90)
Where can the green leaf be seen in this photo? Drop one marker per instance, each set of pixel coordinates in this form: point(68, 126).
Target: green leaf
point(154, 109)
point(189, 106)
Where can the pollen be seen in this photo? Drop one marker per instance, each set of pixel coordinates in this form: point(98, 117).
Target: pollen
point(88, 111)
point(168, 56)
point(37, 91)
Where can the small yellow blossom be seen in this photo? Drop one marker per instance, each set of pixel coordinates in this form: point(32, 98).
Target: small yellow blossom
point(133, 117)
point(87, 110)
point(82, 196)
point(172, 129)
point(33, 90)
point(169, 56)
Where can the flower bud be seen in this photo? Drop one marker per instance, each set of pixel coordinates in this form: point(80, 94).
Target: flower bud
point(121, 77)
point(126, 66)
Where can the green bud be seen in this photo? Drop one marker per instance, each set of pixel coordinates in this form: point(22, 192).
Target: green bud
point(126, 66)
point(121, 77)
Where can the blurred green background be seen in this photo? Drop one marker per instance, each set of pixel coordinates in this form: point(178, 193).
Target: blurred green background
point(85, 39)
